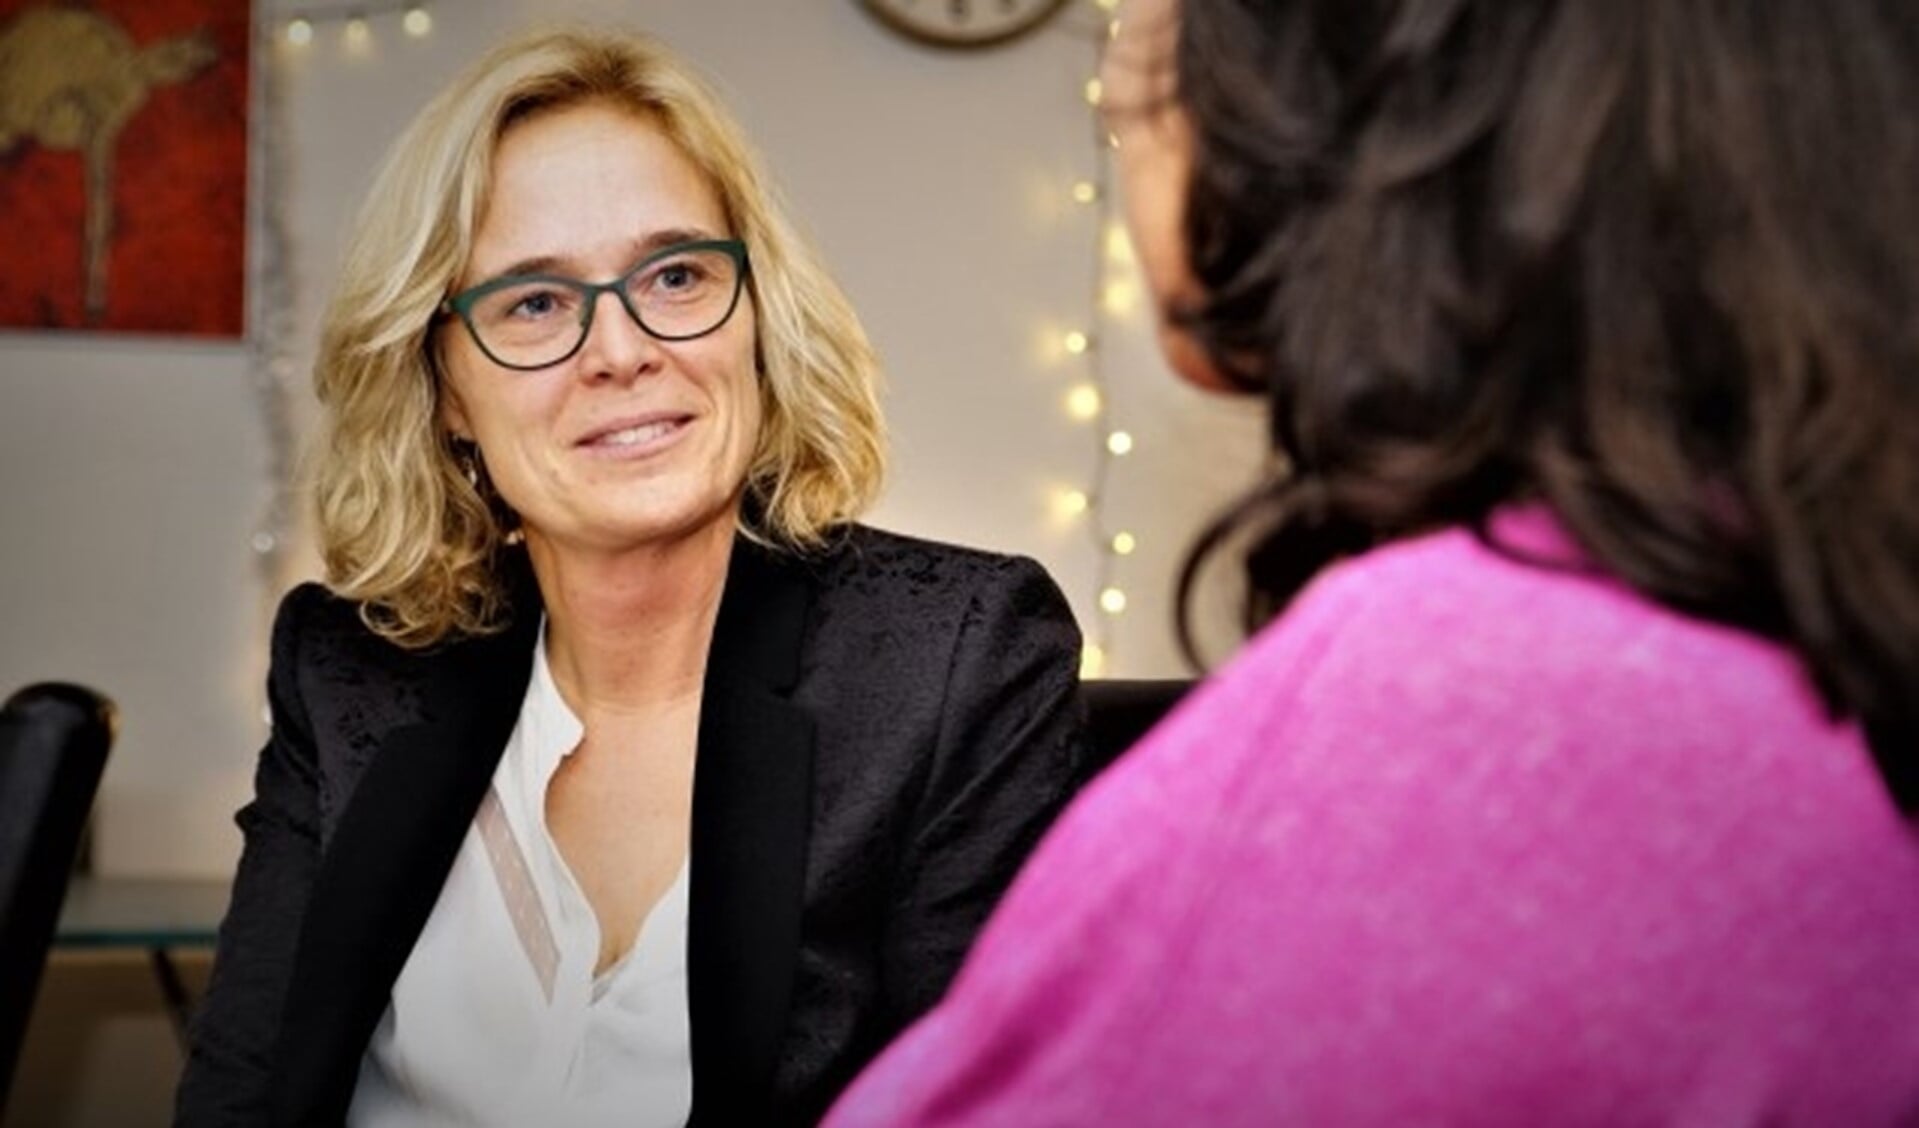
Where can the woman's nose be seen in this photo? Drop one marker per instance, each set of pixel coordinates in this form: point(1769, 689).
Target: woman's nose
point(616, 347)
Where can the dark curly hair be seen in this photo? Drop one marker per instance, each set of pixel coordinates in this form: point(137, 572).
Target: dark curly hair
point(1654, 262)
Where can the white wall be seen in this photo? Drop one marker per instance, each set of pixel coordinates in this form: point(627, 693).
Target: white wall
point(132, 472)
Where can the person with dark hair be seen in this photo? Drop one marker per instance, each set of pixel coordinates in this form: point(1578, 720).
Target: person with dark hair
point(1574, 777)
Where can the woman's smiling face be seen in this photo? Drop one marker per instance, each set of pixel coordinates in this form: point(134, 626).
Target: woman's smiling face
point(631, 440)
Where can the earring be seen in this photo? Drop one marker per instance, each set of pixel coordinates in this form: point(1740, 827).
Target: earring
point(466, 452)
point(467, 455)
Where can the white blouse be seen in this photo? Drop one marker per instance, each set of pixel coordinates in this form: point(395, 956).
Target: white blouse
point(497, 1018)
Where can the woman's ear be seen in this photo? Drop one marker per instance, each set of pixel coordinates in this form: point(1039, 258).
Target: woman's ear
point(453, 414)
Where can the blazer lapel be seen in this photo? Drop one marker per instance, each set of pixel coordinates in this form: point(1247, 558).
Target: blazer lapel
point(752, 809)
point(389, 857)
point(399, 834)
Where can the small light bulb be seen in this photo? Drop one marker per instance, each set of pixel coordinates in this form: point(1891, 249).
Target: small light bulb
point(1072, 503)
point(356, 33)
point(1119, 442)
point(1095, 90)
point(1083, 402)
point(264, 542)
point(1076, 342)
point(418, 21)
point(1124, 544)
point(1119, 245)
point(1120, 297)
point(299, 32)
point(1112, 601)
point(1092, 661)
point(1106, 5)
point(1085, 192)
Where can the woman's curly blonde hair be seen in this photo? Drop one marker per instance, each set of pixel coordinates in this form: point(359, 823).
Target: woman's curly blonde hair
point(401, 528)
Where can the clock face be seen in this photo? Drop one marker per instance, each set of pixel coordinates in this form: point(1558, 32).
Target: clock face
point(963, 23)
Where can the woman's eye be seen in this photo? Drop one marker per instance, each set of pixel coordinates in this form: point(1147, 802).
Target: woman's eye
point(678, 279)
point(543, 303)
point(678, 276)
point(526, 304)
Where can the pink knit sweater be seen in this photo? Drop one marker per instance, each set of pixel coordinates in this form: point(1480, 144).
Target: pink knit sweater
point(1458, 841)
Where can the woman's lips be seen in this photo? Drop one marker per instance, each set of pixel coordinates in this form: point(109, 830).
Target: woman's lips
point(638, 438)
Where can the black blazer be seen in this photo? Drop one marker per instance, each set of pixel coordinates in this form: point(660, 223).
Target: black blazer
point(886, 729)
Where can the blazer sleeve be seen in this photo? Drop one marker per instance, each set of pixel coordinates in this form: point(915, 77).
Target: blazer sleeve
point(1010, 754)
point(237, 1022)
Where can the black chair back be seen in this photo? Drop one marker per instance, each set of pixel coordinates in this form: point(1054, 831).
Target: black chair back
point(53, 746)
point(1119, 711)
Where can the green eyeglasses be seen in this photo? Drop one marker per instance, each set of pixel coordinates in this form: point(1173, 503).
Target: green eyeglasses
point(532, 321)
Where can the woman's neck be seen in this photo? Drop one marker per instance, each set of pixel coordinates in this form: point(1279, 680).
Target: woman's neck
point(629, 632)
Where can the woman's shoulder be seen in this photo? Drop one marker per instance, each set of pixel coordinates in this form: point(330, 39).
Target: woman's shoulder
point(910, 606)
point(1517, 606)
point(1496, 661)
point(871, 545)
point(316, 626)
point(312, 601)
point(1442, 697)
point(878, 563)
point(1481, 648)
point(310, 611)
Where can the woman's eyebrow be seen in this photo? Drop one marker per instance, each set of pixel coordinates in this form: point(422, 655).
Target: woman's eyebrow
point(540, 264)
point(556, 264)
point(659, 240)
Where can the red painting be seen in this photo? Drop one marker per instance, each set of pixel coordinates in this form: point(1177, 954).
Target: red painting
point(123, 165)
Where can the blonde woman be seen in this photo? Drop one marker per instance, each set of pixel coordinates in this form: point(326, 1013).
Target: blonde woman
point(597, 430)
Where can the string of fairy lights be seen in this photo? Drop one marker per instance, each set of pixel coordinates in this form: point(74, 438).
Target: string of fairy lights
point(271, 361)
point(299, 26)
point(1088, 401)
point(270, 364)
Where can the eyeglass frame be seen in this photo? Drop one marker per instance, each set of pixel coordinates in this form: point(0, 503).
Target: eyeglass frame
point(462, 302)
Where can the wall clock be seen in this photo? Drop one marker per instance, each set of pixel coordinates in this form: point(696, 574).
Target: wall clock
point(963, 23)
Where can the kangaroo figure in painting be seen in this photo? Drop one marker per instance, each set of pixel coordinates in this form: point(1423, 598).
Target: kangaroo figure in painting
point(71, 79)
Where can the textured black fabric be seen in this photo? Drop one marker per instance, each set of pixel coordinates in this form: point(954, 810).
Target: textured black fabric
point(886, 730)
point(54, 739)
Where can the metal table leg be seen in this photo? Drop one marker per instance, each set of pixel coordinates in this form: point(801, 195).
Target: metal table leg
point(179, 1003)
